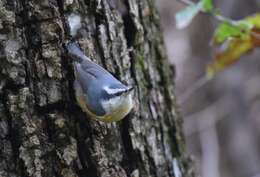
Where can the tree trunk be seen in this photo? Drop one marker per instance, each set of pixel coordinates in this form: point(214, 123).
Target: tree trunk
point(42, 130)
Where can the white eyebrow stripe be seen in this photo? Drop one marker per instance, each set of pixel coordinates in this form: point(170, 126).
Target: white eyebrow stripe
point(112, 91)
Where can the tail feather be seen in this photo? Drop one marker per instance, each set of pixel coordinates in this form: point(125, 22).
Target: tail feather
point(75, 52)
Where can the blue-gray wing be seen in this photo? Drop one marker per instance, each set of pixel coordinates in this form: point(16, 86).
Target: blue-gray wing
point(84, 76)
point(94, 69)
point(88, 82)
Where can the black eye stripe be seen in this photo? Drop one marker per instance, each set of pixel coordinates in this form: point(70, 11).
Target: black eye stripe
point(120, 93)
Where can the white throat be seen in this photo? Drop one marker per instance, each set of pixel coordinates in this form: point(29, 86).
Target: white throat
point(118, 107)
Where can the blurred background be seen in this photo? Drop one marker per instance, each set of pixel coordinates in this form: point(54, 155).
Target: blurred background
point(221, 119)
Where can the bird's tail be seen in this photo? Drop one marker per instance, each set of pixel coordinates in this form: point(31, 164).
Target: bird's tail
point(74, 52)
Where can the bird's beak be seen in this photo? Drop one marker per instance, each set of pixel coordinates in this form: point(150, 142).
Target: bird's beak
point(130, 88)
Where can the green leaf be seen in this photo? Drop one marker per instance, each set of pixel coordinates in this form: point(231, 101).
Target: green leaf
point(184, 17)
point(207, 5)
point(254, 20)
point(240, 29)
point(229, 53)
point(244, 25)
point(225, 30)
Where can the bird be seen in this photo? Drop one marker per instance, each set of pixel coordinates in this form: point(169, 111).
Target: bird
point(98, 93)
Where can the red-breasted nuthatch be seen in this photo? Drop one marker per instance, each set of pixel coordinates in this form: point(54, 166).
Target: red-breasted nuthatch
point(98, 93)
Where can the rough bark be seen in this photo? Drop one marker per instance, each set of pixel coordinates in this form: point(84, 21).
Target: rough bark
point(42, 130)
